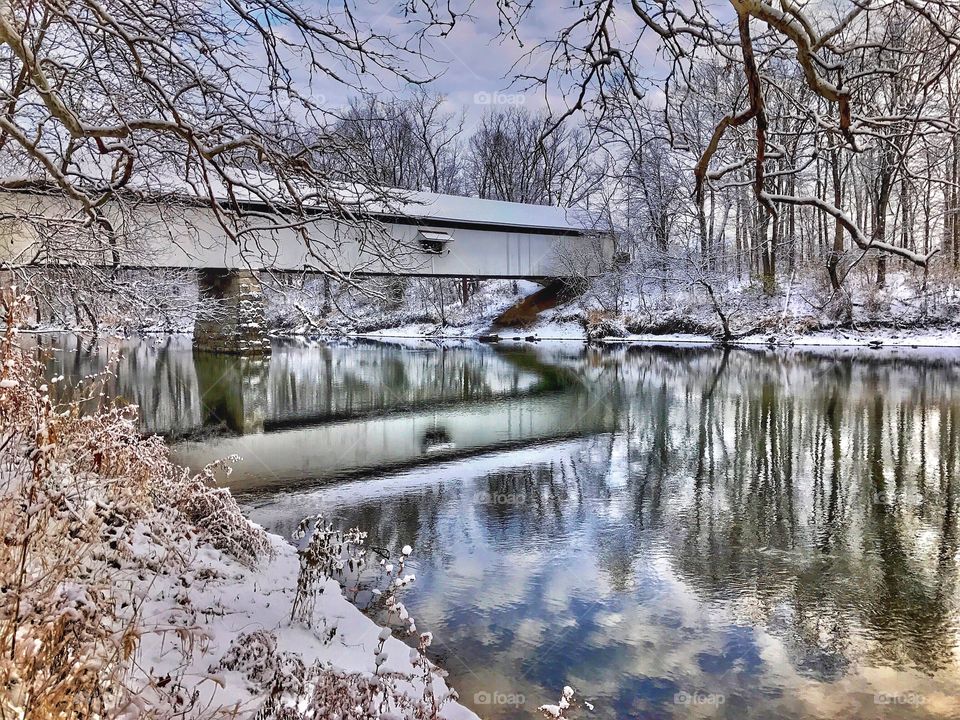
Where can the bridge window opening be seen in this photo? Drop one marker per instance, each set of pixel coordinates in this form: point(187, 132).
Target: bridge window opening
point(434, 241)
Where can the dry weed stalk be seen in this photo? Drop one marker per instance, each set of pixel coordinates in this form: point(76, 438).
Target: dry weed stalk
point(73, 488)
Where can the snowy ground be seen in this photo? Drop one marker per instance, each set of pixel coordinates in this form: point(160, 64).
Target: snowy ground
point(242, 619)
point(904, 314)
point(549, 329)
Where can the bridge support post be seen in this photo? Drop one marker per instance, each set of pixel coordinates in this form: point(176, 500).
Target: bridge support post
point(238, 326)
point(233, 391)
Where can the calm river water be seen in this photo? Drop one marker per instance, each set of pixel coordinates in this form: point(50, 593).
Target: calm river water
point(673, 532)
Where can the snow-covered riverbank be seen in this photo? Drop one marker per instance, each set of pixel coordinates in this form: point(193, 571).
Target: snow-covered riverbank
point(244, 648)
point(899, 316)
point(572, 331)
point(134, 588)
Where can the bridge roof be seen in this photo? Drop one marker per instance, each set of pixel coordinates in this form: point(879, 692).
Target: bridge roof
point(409, 206)
point(434, 207)
point(439, 209)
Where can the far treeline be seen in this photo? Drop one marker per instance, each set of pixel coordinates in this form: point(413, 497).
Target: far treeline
point(768, 144)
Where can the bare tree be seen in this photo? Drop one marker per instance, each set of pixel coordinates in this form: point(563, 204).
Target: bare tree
point(804, 70)
point(105, 103)
point(512, 158)
point(410, 143)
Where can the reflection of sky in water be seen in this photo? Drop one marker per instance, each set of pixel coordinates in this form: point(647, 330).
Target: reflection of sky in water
point(779, 529)
point(559, 584)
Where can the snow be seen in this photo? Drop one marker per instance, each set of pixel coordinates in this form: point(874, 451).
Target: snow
point(225, 601)
point(395, 202)
point(573, 332)
point(437, 207)
point(927, 338)
point(556, 711)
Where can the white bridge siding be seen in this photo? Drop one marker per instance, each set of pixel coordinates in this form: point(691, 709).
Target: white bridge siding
point(487, 239)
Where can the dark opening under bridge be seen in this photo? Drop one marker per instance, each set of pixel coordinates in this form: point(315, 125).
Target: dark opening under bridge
point(419, 234)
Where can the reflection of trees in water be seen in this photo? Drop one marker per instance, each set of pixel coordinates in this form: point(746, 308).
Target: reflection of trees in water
point(156, 375)
point(808, 491)
point(813, 495)
point(410, 518)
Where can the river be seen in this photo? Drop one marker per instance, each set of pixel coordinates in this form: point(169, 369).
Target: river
point(673, 532)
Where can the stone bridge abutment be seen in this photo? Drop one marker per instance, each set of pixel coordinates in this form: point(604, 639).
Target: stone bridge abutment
point(236, 322)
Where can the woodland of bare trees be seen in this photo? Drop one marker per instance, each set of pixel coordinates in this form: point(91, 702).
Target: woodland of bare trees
point(734, 144)
point(416, 144)
point(774, 141)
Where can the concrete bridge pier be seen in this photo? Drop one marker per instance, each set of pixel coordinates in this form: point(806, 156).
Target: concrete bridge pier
point(233, 391)
point(238, 326)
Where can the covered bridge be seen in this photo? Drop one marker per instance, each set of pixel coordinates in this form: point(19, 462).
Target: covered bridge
point(411, 233)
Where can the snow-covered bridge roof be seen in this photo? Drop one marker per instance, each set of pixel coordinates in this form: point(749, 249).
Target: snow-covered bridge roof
point(456, 209)
point(396, 205)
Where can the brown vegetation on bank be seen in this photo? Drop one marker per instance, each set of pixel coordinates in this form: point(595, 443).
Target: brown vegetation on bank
point(76, 491)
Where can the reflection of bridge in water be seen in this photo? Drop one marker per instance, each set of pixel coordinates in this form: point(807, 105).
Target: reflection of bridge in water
point(311, 412)
point(401, 439)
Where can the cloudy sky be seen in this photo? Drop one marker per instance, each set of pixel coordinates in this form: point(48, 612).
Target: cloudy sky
point(475, 63)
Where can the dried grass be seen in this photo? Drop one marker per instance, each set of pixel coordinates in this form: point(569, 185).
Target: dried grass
point(73, 488)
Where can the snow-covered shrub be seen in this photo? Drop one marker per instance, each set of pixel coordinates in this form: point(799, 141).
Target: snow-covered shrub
point(393, 319)
point(385, 605)
point(290, 690)
point(600, 325)
point(671, 323)
point(873, 303)
point(83, 522)
point(213, 510)
point(328, 553)
point(358, 696)
point(279, 677)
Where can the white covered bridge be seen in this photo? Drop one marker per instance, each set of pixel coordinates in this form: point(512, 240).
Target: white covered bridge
point(418, 234)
